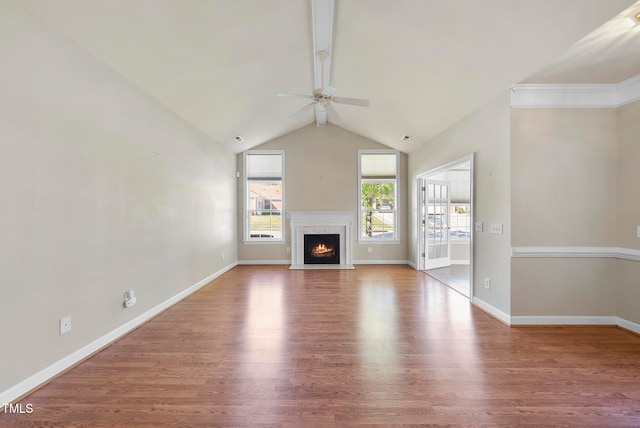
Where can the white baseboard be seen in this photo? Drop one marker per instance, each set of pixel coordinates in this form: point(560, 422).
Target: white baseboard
point(491, 310)
point(563, 320)
point(355, 262)
point(461, 262)
point(381, 262)
point(31, 383)
point(574, 320)
point(264, 262)
point(631, 326)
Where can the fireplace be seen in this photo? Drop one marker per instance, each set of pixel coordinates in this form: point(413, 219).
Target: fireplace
point(322, 248)
point(321, 223)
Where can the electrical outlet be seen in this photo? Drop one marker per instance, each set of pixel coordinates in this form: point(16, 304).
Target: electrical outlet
point(369, 250)
point(65, 325)
point(496, 229)
point(638, 231)
point(487, 283)
point(288, 250)
point(223, 255)
point(129, 299)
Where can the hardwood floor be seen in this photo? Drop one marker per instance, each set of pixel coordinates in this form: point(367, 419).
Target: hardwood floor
point(376, 346)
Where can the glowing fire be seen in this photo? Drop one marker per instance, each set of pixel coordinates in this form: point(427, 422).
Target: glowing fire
point(321, 250)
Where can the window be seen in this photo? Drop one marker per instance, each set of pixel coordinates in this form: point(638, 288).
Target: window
point(264, 190)
point(460, 222)
point(378, 183)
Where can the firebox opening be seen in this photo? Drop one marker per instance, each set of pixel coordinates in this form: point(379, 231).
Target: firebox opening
point(322, 249)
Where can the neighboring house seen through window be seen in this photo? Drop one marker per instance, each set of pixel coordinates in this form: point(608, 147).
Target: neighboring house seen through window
point(264, 190)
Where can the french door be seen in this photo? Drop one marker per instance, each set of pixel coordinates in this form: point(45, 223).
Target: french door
point(436, 239)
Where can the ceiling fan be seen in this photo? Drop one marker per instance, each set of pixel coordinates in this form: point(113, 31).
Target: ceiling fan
point(323, 99)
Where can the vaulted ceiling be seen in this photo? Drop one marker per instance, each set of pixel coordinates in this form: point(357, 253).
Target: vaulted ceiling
point(423, 64)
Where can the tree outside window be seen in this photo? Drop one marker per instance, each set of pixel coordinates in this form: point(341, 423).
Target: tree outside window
point(378, 194)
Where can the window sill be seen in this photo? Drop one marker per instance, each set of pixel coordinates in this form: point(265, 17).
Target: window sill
point(272, 242)
point(379, 241)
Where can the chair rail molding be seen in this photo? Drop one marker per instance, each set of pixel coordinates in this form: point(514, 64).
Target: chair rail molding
point(576, 252)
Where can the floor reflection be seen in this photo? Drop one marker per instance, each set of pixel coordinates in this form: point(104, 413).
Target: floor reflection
point(378, 332)
point(264, 328)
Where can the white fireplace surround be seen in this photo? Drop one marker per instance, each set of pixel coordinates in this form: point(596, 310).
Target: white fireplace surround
point(321, 222)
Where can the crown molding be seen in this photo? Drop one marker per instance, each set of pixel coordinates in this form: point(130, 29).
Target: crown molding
point(576, 96)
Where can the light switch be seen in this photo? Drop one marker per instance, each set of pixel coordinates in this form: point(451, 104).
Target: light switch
point(479, 226)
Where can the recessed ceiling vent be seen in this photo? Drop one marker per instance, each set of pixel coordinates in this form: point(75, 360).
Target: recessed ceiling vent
point(405, 138)
point(238, 139)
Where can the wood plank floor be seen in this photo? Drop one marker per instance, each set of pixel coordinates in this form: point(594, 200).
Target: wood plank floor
point(378, 346)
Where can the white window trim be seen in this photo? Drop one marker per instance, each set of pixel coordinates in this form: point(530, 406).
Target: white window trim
point(397, 205)
point(245, 200)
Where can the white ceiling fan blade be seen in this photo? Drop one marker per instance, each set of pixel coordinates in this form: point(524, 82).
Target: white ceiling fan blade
point(328, 91)
point(303, 109)
point(351, 101)
point(332, 115)
point(296, 95)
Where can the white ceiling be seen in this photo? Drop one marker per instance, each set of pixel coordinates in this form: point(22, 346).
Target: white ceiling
point(423, 64)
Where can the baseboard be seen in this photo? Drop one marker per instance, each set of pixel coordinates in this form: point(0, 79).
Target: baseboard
point(563, 320)
point(381, 262)
point(461, 262)
point(43, 376)
point(355, 262)
point(575, 320)
point(628, 325)
point(264, 262)
point(491, 310)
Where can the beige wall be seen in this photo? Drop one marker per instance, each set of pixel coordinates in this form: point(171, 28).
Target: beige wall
point(628, 210)
point(485, 133)
point(628, 175)
point(574, 174)
point(563, 181)
point(563, 287)
point(104, 190)
point(321, 173)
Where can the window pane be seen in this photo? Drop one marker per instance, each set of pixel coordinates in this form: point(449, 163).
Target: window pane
point(460, 221)
point(265, 224)
point(265, 210)
point(376, 224)
point(378, 196)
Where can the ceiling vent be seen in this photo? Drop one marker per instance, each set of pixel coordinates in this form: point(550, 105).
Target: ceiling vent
point(405, 138)
point(238, 139)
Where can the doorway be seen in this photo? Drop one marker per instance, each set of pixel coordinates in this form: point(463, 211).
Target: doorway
point(445, 224)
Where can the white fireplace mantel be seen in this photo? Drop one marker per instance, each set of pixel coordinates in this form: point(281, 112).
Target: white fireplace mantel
point(319, 222)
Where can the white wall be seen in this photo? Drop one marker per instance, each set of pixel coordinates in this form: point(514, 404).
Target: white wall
point(485, 133)
point(103, 190)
